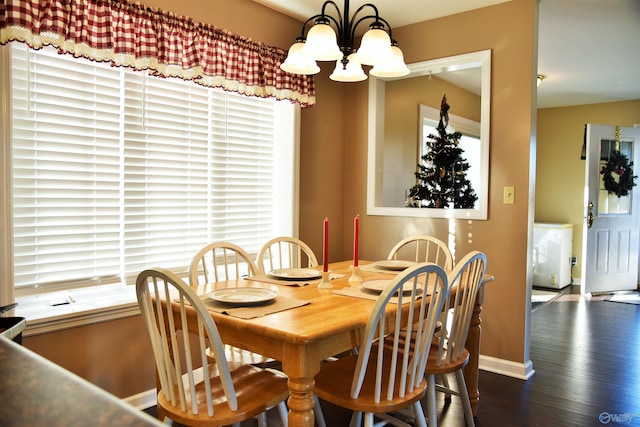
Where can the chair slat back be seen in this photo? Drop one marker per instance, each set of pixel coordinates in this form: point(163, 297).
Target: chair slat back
point(285, 252)
point(466, 280)
point(403, 355)
point(423, 248)
point(181, 357)
point(220, 261)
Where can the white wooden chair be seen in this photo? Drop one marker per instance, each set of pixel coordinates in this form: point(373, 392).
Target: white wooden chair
point(220, 261)
point(448, 354)
point(285, 252)
point(387, 374)
point(194, 389)
point(423, 248)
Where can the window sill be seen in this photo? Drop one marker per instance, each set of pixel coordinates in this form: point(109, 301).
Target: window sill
point(55, 311)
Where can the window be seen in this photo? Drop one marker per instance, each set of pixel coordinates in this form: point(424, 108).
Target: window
point(116, 170)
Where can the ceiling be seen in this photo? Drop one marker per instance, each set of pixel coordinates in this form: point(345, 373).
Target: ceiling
point(589, 50)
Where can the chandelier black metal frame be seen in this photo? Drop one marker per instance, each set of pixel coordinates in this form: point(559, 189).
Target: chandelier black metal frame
point(324, 43)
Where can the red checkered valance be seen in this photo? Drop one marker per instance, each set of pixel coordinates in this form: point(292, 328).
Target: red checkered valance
point(168, 45)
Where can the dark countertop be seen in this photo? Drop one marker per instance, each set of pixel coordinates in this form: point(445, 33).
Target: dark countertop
point(36, 392)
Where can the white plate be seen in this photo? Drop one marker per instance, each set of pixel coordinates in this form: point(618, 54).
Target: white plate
point(380, 285)
point(296, 274)
point(394, 264)
point(243, 296)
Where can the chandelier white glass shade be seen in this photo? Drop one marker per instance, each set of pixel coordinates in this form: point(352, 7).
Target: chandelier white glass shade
point(375, 47)
point(299, 63)
point(393, 67)
point(322, 43)
point(350, 72)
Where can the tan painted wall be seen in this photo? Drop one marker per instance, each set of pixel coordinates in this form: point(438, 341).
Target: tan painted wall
point(333, 176)
point(560, 177)
point(116, 355)
point(508, 30)
point(322, 165)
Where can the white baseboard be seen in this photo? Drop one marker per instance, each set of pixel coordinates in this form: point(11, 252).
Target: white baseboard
point(522, 371)
point(143, 400)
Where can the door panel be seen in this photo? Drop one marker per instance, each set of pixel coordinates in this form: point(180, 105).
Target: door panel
point(611, 234)
point(623, 251)
point(602, 253)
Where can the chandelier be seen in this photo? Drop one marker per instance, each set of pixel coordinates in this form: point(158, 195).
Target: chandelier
point(321, 43)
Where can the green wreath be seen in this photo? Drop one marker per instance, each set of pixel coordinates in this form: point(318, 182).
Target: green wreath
point(619, 165)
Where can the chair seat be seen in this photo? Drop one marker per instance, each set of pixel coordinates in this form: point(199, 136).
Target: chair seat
point(257, 390)
point(333, 384)
point(445, 368)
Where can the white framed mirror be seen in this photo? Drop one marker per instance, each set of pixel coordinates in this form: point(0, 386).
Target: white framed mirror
point(398, 111)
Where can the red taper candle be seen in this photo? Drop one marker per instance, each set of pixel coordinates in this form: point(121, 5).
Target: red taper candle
point(325, 245)
point(356, 235)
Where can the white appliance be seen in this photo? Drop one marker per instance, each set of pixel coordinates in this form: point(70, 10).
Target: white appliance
point(552, 247)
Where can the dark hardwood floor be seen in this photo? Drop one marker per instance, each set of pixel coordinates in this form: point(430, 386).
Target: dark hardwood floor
point(586, 354)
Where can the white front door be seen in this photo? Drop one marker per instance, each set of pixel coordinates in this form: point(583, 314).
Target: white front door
point(611, 235)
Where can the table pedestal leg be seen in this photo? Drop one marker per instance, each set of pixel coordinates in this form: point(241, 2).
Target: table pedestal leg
point(301, 402)
point(473, 346)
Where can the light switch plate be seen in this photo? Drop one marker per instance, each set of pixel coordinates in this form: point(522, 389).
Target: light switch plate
point(509, 195)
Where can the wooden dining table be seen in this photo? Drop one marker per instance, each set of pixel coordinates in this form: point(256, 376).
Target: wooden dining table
point(327, 325)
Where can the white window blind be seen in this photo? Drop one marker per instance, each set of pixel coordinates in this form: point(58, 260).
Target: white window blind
point(115, 171)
